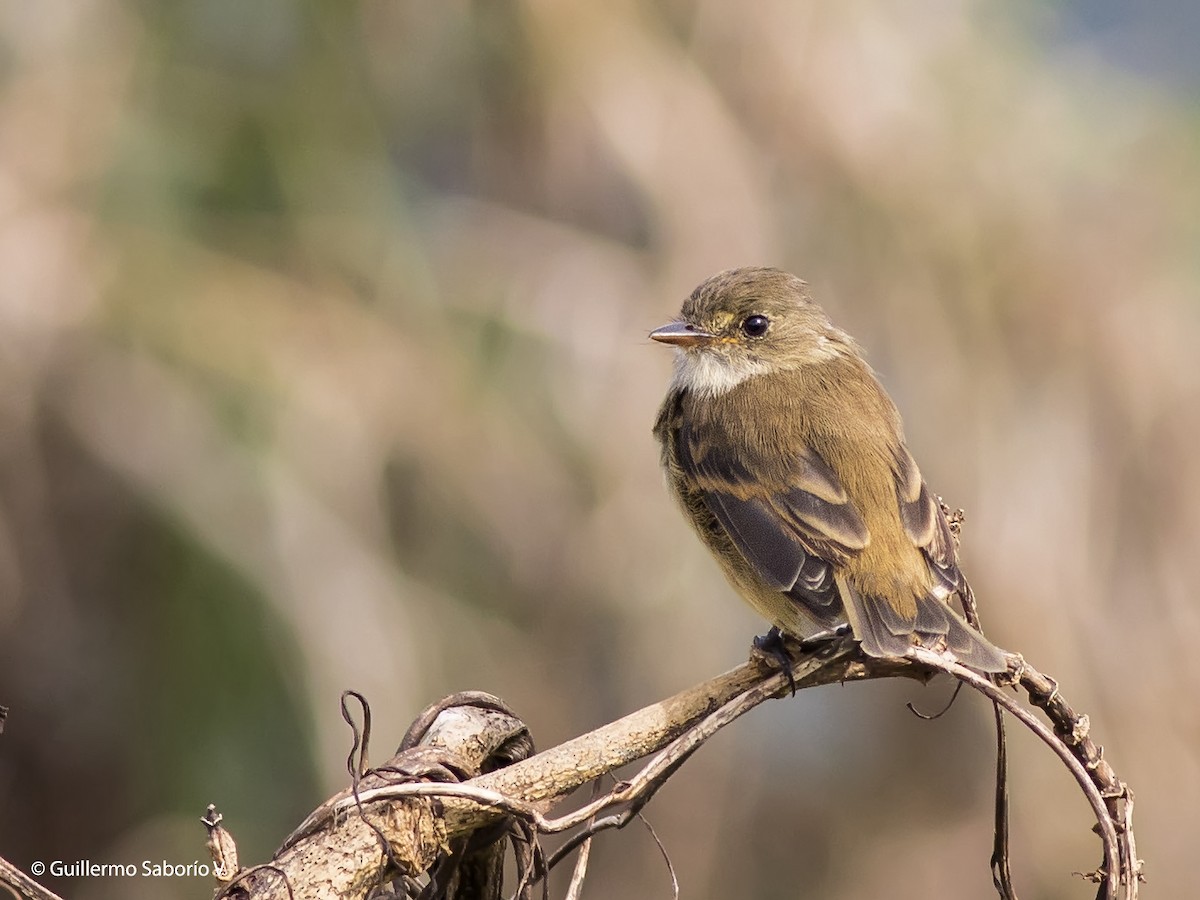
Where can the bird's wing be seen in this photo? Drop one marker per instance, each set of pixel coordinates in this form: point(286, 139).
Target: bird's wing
point(792, 529)
point(925, 523)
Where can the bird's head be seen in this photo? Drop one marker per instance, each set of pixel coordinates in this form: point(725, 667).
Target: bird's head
point(747, 322)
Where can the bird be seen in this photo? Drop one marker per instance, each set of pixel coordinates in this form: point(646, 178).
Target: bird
point(788, 457)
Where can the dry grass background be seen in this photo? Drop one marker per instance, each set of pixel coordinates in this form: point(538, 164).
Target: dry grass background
point(323, 365)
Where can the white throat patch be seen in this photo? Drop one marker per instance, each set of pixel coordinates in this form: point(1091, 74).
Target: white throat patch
point(710, 374)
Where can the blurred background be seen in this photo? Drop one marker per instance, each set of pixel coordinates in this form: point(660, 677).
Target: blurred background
point(323, 365)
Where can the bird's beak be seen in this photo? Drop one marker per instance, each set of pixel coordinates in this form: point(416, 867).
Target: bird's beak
point(682, 334)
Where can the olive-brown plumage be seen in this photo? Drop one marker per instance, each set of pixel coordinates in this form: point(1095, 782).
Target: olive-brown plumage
point(788, 458)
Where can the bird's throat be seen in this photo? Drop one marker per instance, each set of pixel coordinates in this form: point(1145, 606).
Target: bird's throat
point(708, 373)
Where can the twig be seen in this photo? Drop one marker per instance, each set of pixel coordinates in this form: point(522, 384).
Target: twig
point(21, 885)
point(1121, 868)
point(1001, 871)
point(575, 888)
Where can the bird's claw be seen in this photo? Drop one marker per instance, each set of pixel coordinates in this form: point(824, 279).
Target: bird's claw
point(774, 647)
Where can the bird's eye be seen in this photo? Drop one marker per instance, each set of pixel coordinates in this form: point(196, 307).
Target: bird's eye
point(755, 326)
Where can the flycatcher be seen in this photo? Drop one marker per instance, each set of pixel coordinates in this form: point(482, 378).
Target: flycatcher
point(788, 458)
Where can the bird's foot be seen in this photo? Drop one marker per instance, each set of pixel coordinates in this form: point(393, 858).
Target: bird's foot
point(782, 650)
point(776, 648)
point(823, 638)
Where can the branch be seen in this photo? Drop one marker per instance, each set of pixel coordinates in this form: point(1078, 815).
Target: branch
point(382, 829)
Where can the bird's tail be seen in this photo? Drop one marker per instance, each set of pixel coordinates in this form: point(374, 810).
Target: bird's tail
point(936, 626)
